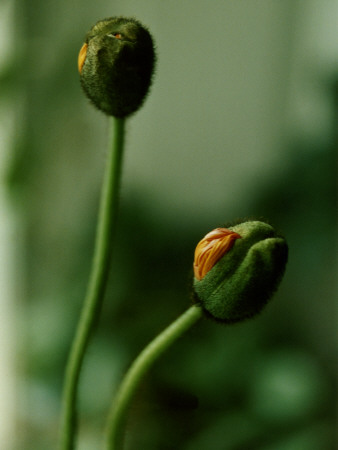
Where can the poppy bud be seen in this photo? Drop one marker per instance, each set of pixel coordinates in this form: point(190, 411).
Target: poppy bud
point(238, 269)
point(116, 64)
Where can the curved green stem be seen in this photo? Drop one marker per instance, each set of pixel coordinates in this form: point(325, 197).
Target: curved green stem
point(96, 288)
point(118, 412)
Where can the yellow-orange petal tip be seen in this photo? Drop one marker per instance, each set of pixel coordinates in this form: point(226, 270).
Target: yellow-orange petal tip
point(211, 249)
point(82, 57)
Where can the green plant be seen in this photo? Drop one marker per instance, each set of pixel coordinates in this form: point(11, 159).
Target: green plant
point(237, 268)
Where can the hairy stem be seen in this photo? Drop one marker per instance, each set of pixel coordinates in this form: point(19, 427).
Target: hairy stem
point(97, 282)
point(118, 413)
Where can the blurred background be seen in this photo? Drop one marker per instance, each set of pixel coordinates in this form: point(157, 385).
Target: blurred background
point(241, 121)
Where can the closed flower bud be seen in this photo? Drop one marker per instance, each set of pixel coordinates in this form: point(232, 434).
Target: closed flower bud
point(238, 269)
point(116, 64)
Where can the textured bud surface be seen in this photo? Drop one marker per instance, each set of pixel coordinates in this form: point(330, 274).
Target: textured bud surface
point(116, 64)
point(245, 278)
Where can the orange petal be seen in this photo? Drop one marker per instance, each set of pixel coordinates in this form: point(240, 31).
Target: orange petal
point(211, 249)
point(82, 57)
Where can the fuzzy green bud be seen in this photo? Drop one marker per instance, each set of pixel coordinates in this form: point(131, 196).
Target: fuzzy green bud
point(245, 276)
point(116, 64)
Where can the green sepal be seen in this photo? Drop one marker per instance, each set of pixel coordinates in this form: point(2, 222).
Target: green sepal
point(117, 73)
point(245, 278)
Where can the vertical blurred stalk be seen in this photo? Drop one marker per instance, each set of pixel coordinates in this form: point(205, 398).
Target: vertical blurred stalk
point(9, 222)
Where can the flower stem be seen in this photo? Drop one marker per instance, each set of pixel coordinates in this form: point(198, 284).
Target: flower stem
point(118, 413)
point(97, 282)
